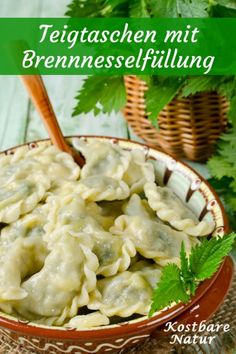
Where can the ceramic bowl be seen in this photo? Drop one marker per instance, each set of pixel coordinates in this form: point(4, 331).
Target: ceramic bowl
point(202, 199)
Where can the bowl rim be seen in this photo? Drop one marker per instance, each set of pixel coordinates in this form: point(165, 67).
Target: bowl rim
point(27, 327)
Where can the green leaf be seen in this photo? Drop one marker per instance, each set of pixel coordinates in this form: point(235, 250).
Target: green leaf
point(101, 94)
point(138, 8)
point(81, 8)
point(200, 84)
point(228, 196)
point(146, 78)
point(226, 86)
point(184, 263)
point(220, 168)
point(206, 257)
point(113, 96)
point(159, 94)
point(193, 8)
point(177, 284)
point(170, 289)
point(89, 95)
point(229, 138)
point(224, 8)
point(232, 110)
point(186, 274)
point(179, 8)
point(98, 8)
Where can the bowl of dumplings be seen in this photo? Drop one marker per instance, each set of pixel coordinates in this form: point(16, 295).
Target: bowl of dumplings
point(82, 249)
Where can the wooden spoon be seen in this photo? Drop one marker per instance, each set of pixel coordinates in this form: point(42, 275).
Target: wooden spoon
point(38, 94)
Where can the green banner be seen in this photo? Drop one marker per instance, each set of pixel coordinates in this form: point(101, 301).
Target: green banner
point(117, 46)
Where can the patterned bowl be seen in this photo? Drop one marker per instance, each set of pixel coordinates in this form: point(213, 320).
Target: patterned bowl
point(201, 198)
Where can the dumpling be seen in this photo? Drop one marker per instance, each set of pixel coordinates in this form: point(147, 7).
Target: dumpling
point(114, 253)
point(138, 207)
point(73, 216)
point(150, 271)
point(121, 295)
point(47, 160)
point(59, 166)
point(152, 239)
point(63, 284)
point(17, 261)
point(171, 209)
point(27, 226)
point(16, 166)
point(139, 172)
point(102, 159)
point(21, 196)
point(90, 320)
point(70, 214)
point(105, 212)
point(98, 188)
point(22, 252)
point(126, 293)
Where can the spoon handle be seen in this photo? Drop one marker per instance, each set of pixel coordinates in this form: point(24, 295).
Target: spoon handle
point(38, 94)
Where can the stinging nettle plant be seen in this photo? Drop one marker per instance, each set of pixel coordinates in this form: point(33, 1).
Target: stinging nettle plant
point(105, 94)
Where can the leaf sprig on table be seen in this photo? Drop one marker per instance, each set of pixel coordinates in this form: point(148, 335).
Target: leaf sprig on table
point(179, 283)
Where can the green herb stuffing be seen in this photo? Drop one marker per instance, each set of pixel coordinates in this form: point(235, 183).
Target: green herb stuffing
point(179, 283)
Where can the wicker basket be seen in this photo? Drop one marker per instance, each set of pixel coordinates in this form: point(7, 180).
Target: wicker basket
point(188, 127)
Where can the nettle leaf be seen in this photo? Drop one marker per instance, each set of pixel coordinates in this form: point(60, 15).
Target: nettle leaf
point(81, 8)
point(101, 94)
point(226, 188)
point(220, 168)
point(169, 289)
point(193, 8)
point(98, 8)
point(115, 8)
point(159, 94)
point(197, 84)
point(113, 96)
point(184, 263)
point(232, 110)
point(179, 8)
point(138, 8)
point(89, 95)
point(185, 272)
point(224, 8)
point(229, 138)
point(227, 86)
point(206, 257)
point(176, 284)
point(147, 78)
point(227, 191)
